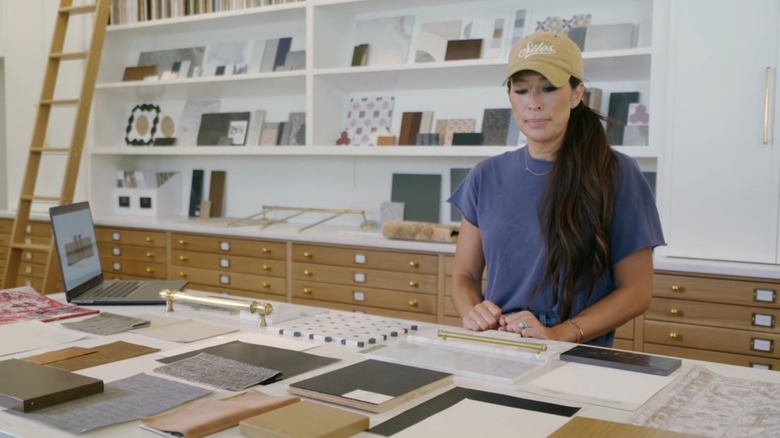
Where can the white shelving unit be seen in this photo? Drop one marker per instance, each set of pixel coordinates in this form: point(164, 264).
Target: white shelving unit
point(320, 174)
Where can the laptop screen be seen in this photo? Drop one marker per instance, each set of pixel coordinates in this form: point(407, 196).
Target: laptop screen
point(76, 243)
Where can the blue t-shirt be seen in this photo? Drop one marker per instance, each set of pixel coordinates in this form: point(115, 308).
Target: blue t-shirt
point(503, 200)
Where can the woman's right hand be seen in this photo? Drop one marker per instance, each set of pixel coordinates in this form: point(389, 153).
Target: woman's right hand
point(483, 316)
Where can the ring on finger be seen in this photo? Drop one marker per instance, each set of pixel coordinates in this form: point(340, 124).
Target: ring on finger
point(523, 325)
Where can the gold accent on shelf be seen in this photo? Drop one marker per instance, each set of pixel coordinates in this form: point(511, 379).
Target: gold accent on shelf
point(444, 334)
point(260, 308)
point(264, 221)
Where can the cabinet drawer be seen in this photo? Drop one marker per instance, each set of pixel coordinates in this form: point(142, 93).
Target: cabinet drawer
point(449, 265)
point(248, 282)
point(625, 331)
point(714, 356)
point(41, 229)
point(715, 315)
point(5, 226)
point(144, 238)
point(35, 257)
point(229, 245)
point(130, 252)
point(367, 259)
point(35, 270)
point(711, 338)
point(367, 310)
point(236, 292)
point(404, 301)
point(449, 307)
point(248, 265)
point(623, 344)
point(746, 293)
point(132, 267)
point(365, 277)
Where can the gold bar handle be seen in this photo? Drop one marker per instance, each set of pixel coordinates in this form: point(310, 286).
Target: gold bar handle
point(257, 307)
point(444, 334)
point(767, 96)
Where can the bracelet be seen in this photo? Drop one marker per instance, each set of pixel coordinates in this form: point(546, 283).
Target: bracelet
point(579, 334)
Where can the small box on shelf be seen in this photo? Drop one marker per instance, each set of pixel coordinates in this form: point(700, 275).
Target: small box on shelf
point(153, 194)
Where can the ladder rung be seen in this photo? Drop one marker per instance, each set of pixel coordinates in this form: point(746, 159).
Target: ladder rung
point(84, 9)
point(40, 198)
point(69, 55)
point(31, 247)
point(53, 150)
point(60, 102)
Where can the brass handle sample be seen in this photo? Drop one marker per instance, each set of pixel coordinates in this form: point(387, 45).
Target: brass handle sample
point(444, 334)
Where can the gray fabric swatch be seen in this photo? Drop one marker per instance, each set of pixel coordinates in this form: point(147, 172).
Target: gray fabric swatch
point(219, 372)
point(123, 400)
point(107, 324)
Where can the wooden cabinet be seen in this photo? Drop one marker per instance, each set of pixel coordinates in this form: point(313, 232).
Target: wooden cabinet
point(132, 254)
point(390, 283)
point(5, 240)
point(723, 180)
point(722, 319)
point(248, 267)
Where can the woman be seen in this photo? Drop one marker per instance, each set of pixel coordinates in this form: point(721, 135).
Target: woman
point(565, 226)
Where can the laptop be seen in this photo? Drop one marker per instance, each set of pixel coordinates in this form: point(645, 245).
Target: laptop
point(82, 276)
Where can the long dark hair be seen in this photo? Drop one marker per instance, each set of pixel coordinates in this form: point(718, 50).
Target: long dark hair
point(576, 215)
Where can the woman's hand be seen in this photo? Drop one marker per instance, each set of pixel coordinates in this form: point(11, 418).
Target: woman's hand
point(484, 316)
point(525, 324)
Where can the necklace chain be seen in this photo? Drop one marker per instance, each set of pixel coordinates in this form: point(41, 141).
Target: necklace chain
point(528, 169)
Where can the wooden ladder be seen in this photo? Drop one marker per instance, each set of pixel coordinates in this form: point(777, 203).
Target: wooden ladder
point(21, 242)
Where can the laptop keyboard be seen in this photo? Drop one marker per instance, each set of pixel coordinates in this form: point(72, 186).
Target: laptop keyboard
point(118, 289)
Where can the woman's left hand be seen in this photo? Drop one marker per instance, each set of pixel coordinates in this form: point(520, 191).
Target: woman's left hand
point(525, 324)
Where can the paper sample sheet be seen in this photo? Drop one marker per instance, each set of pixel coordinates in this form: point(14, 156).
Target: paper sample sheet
point(29, 335)
point(598, 385)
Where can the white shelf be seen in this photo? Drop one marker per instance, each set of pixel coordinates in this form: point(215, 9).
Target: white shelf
point(212, 87)
point(258, 16)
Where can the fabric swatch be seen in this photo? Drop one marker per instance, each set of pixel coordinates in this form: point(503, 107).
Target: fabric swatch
point(219, 372)
point(107, 324)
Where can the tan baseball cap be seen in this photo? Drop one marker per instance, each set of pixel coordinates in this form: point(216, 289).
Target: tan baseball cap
point(554, 55)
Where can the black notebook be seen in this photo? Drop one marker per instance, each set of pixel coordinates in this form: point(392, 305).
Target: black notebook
point(371, 385)
point(622, 360)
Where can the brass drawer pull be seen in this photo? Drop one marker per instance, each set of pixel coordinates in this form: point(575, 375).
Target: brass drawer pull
point(414, 264)
point(182, 274)
point(266, 267)
point(676, 336)
point(183, 258)
point(149, 270)
point(266, 284)
point(182, 242)
point(413, 283)
point(150, 254)
point(307, 273)
point(677, 288)
point(308, 254)
point(412, 303)
point(307, 290)
point(676, 312)
point(149, 239)
point(266, 250)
